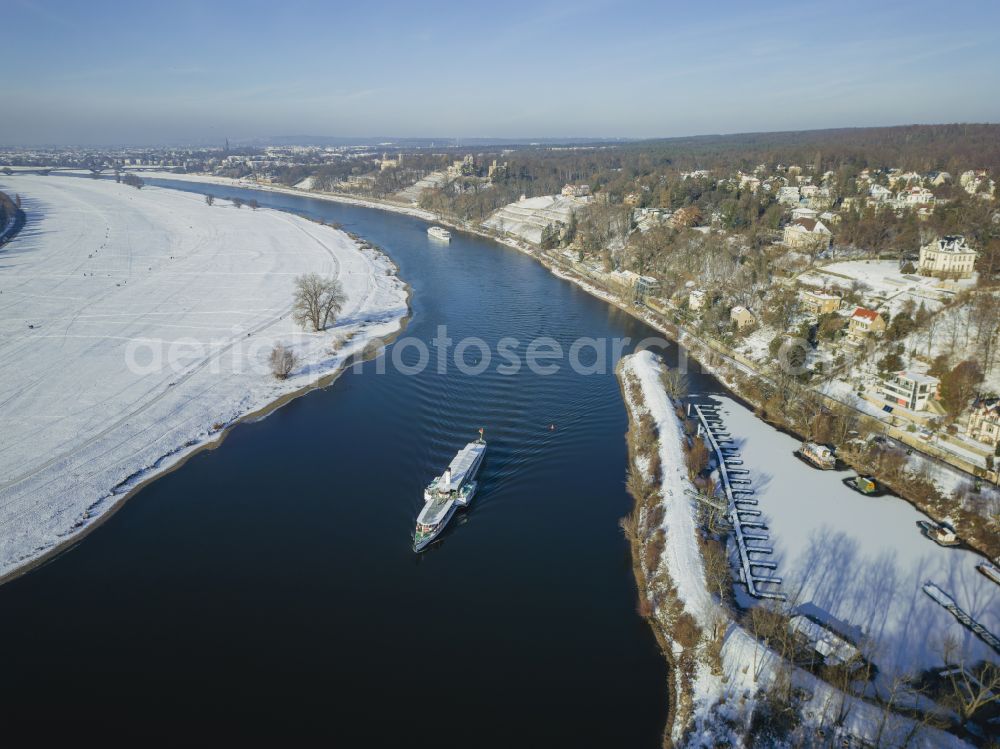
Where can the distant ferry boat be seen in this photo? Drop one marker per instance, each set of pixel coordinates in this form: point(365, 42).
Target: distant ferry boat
point(820, 456)
point(438, 233)
point(452, 489)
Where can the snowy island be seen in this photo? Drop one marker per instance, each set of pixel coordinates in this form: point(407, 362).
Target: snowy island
point(137, 325)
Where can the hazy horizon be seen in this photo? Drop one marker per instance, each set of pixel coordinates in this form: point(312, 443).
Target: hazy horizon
point(102, 74)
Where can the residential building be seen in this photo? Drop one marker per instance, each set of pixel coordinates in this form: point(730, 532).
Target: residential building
point(939, 178)
point(696, 300)
point(803, 212)
point(685, 217)
point(788, 195)
point(741, 317)
point(644, 287)
point(973, 180)
point(948, 256)
point(818, 303)
point(984, 422)
point(909, 389)
point(914, 196)
point(880, 193)
point(576, 191)
point(864, 322)
point(807, 233)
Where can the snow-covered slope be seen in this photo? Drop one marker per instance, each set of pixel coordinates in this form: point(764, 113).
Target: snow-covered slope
point(135, 324)
point(412, 193)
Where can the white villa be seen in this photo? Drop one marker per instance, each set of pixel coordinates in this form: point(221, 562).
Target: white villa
point(909, 389)
point(948, 256)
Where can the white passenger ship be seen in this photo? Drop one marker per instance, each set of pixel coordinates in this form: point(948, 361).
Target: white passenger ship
point(439, 233)
point(452, 489)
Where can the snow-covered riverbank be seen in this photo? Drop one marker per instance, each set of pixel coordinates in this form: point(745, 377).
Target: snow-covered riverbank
point(136, 324)
point(211, 179)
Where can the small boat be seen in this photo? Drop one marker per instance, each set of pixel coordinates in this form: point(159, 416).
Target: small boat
point(452, 489)
point(863, 484)
point(820, 456)
point(939, 533)
point(439, 233)
point(990, 570)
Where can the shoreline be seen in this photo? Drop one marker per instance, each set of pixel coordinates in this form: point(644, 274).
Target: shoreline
point(321, 383)
point(115, 496)
point(636, 547)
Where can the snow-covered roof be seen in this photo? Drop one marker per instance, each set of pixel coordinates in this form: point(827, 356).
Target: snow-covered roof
point(917, 377)
point(832, 647)
point(462, 462)
point(951, 244)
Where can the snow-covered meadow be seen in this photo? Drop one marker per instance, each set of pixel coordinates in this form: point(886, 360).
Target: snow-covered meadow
point(884, 285)
point(136, 324)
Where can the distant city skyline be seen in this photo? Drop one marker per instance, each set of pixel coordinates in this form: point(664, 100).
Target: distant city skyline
point(106, 73)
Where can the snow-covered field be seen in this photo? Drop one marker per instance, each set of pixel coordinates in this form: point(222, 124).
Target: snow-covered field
point(860, 559)
point(135, 324)
point(886, 285)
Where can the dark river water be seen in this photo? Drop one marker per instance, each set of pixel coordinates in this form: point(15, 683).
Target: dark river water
point(270, 586)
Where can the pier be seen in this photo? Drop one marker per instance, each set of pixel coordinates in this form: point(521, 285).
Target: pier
point(738, 496)
point(953, 608)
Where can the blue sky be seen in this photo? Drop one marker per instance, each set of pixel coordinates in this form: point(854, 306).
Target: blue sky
point(146, 73)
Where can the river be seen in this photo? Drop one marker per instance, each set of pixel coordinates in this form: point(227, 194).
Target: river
point(270, 585)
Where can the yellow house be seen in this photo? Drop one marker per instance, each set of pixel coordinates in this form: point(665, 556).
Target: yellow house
point(863, 322)
point(818, 303)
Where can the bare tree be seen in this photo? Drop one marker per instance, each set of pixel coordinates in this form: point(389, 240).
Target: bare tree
point(283, 361)
point(675, 382)
point(317, 300)
point(209, 199)
point(971, 689)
